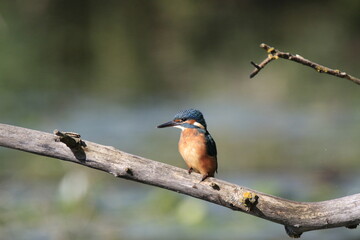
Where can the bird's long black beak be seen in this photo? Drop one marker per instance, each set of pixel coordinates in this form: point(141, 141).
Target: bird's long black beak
point(168, 124)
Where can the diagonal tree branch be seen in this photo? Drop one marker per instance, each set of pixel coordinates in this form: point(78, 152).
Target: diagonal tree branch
point(297, 217)
point(274, 54)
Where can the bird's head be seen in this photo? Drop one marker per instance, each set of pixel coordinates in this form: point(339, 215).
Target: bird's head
point(189, 118)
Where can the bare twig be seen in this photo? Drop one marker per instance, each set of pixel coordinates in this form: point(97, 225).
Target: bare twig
point(297, 217)
point(274, 54)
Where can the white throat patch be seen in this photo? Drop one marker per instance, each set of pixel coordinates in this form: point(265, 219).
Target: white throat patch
point(199, 125)
point(179, 126)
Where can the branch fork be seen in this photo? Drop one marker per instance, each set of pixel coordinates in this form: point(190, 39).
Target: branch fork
point(274, 54)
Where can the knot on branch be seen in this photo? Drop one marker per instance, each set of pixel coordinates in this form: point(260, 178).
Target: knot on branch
point(215, 186)
point(73, 141)
point(126, 173)
point(293, 231)
point(129, 171)
point(352, 226)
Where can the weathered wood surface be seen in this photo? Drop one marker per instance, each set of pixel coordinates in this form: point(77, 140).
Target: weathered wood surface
point(297, 217)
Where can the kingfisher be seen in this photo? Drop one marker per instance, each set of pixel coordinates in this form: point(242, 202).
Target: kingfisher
point(196, 146)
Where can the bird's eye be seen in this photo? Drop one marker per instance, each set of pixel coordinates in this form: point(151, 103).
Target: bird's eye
point(183, 119)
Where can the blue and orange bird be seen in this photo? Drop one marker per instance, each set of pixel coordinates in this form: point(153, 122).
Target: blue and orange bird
point(196, 145)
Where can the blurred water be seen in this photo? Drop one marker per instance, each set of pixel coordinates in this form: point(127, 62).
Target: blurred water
point(35, 210)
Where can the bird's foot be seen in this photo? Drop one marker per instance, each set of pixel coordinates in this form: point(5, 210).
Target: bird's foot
point(204, 177)
point(190, 170)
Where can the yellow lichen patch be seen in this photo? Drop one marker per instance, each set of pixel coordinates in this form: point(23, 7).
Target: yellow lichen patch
point(247, 194)
point(273, 56)
point(270, 50)
point(321, 69)
point(249, 200)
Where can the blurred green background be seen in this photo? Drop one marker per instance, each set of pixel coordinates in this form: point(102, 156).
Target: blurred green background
point(113, 70)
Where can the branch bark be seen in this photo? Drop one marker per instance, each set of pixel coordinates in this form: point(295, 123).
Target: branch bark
point(297, 217)
point(274, 54)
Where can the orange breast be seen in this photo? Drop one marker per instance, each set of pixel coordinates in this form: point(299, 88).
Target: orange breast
point(192, 147)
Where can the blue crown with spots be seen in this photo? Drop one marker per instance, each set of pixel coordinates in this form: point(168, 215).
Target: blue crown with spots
point(191, 114)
